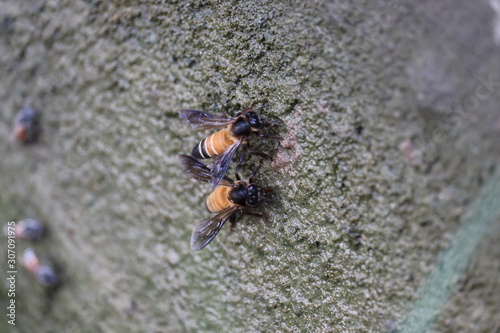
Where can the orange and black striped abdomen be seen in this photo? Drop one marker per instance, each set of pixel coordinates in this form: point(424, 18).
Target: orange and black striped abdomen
point(214, 145)
point(218, 200)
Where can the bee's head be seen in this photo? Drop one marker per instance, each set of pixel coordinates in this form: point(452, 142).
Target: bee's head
point(255, 195)
point(255, 121)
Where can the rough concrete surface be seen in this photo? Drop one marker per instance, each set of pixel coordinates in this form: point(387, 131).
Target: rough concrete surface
point(390, 115)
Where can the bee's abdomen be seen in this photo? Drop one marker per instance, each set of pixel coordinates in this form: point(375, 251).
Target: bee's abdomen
point(214, 145)
point(219, 199)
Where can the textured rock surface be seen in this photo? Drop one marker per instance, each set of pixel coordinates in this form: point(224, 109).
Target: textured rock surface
point(390, 132)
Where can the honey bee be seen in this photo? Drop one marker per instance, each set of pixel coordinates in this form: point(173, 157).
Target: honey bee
point(44, 274)
point(27, 127)
point(227, 199)
point(224, 144)
point(29, 229)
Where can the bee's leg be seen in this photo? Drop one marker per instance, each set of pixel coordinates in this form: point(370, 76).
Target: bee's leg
point(267, 191)
point(232, 220)
point(263, 155)
point(264, 134)
point(267, 136)
point(258, 153)
point(242, 156)
point(250, 179)
point(261, 215)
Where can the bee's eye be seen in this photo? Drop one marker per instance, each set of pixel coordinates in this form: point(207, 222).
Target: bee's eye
point(254, 120)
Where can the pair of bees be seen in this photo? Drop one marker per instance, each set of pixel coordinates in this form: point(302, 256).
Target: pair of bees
point(228, 196)
point(33, 230)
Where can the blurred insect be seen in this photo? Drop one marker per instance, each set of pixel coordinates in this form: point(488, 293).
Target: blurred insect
point(44, 274)
point(227, 199)
point(29, 229)
point(27, 126)
point(224, 144)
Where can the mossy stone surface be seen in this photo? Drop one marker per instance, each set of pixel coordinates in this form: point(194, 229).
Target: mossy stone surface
point(389, 133)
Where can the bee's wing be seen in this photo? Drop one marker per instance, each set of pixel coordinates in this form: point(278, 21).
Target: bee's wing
point(199, 171)
point(201, 120)
point(206, 230)
point(221, 163)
